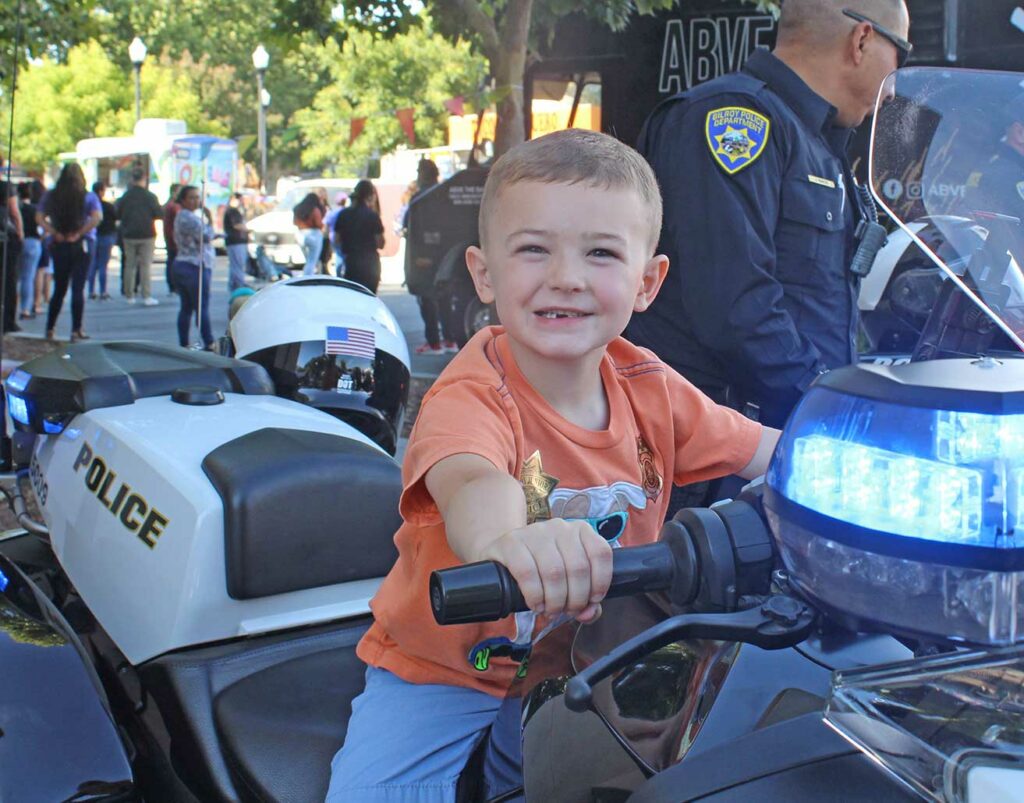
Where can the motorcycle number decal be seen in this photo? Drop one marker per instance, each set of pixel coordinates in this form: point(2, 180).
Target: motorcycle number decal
point(736, 136)
point(38, 480)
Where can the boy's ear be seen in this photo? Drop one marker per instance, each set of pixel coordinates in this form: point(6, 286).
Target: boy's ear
point(477, 264)
point(650, 281)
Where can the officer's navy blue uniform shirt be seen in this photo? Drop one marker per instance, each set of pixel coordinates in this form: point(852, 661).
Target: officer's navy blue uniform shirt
point(758, 298)
point(1000, 188)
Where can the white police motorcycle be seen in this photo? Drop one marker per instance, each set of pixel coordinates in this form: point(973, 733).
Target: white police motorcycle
point(187, 630)
point(214, 531)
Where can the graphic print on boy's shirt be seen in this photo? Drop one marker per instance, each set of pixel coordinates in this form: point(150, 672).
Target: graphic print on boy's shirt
point(604, 507)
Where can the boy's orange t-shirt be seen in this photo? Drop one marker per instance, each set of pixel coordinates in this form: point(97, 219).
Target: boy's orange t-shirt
point(660, 426)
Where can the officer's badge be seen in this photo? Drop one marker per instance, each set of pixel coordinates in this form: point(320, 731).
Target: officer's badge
point(1020, 189)
point(736, 136)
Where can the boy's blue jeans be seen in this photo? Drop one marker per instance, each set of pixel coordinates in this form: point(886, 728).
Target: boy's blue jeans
point(408, 743)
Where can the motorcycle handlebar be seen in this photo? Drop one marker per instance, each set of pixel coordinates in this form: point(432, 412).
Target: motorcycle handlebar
point(486, 591)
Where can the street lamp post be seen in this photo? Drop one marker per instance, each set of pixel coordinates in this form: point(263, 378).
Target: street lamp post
point(261, 60)
point(137, 54)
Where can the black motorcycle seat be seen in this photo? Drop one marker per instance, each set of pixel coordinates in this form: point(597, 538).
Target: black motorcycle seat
point(280, 728)
point(303, 510)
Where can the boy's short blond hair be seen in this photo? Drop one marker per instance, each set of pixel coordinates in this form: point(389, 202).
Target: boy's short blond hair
point(575, 156)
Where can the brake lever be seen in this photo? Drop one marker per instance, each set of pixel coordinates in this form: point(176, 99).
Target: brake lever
point(779, 622)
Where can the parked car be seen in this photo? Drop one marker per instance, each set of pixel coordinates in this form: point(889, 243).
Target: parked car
point(275, 230)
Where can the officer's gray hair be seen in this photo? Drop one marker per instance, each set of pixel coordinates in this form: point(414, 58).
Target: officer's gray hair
point(570, 157)
point(810, 22)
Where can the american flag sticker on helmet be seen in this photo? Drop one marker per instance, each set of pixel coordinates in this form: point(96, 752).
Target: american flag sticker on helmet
point(351, 341)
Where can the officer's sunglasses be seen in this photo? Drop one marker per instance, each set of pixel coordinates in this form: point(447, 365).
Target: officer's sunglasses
point(903, 47)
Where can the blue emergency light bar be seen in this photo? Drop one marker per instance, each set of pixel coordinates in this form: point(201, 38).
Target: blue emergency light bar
point(896, 496)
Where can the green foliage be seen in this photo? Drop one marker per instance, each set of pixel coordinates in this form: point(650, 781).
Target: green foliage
point(91, 96)
point(200, 67)
point(48, 27)
point(371, 78)
point(227, 31)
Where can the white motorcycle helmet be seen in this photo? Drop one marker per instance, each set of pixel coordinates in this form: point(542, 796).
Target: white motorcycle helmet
point(332, 344)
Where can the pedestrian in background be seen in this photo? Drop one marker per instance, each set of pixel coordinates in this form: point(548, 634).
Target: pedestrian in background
point(236, 238)
point(325, 243)
point(308, 217)
point(171, 209)
point(44, 270)
point(340, 200)
point(359, 231)
point(106, 239)
point(31, 252)
point(192, 269)
point(421, 280)
point(13, 236)
point(138, 210)
point(69, 214)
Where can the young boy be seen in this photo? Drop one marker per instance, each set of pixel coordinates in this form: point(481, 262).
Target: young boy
point(544, 441)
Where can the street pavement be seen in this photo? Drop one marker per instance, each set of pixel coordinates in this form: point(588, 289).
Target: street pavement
point(115, 319)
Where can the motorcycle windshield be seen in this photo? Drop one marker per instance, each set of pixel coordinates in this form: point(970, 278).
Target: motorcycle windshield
point(949, 145)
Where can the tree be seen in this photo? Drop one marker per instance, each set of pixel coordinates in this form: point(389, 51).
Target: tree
point(90, 96)
point(373, 79)
point(501, 30)
point(225, 32)
point(48, 27)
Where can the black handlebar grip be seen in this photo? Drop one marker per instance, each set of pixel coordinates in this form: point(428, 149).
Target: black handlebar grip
point(476, 592)
point(486, 591)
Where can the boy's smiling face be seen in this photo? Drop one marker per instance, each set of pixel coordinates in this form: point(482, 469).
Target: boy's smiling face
point(566, 265)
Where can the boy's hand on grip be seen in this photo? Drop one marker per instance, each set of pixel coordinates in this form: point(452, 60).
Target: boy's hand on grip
point(561, 566)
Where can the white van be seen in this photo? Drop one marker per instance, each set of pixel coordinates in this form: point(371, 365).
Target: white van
point(275, 230)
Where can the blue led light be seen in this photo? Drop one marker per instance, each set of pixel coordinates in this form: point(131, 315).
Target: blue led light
point(968, 438)
point(18, 380)
point(935, 475)
point(904, 517)
point(886, 491)
point(52, 427)
point(4, 582)
point(18, 408)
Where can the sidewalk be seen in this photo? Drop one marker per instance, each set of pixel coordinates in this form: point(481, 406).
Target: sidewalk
point(116, 319)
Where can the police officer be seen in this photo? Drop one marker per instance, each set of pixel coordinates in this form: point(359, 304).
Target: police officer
point(761, 208)
point(1000, 185)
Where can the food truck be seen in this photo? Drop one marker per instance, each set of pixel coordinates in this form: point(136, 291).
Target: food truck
point(169, 154)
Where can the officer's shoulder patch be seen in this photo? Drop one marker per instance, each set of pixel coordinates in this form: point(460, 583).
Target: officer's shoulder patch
point(737, 136)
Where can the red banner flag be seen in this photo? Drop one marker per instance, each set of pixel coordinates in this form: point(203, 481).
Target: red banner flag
point(455, 105)
point(405, 117)
point(355, 128)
